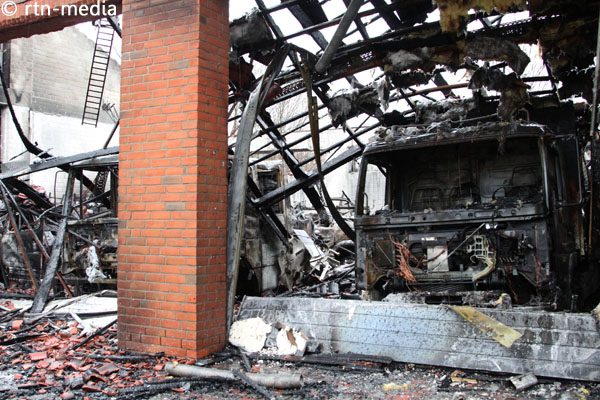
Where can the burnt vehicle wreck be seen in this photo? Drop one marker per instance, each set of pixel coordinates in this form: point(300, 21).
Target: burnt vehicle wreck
point(491, 206)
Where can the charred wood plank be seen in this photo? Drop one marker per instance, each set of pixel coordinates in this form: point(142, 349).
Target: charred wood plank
point(291, 161)
point(314, 131)
point(20, 339)
point(28, 191)
point(292, 187)
point(238, 183)
point(269, 214)
point(60, 162)
point(331, 361)
point(359, 25)
point(388, 15)
point(94, 335)
point(121, 358)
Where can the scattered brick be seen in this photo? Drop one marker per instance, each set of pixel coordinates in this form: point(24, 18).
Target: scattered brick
point(42, 355)
point(67, 396)
point(107, 369)
point(90, 387)
point(17, 324)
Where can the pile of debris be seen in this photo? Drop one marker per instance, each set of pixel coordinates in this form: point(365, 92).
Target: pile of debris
point(64, 351)
point(70, 351)
point(73, 241)
point(323, 271)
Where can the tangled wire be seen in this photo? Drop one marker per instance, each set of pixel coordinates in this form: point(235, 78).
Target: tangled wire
point(403, 257)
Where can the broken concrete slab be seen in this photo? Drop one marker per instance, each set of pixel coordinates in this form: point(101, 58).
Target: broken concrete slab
point(560, 345)
point(291, 342)
point(522, 382)
point(94, 303)
point(249, 334)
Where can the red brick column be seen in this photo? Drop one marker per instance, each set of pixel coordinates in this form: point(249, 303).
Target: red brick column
point(173, 176)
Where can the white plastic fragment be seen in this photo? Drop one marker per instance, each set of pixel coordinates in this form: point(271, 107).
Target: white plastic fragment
point(249, 334)
point(93, 271)
point(522, 382)
point(291, 342)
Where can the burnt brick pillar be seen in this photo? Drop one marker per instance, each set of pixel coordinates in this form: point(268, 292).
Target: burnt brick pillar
point(173, 176)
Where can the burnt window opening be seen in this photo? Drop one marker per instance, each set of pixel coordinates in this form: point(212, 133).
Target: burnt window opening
point(567, 170)
point(461, 176)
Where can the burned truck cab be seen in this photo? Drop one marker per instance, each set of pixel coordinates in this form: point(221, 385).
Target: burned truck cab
point(496, 206)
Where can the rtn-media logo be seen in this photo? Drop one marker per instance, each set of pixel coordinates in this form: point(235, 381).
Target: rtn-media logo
point(99, 9)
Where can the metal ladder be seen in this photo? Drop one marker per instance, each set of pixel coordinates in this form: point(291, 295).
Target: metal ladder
point(98, 73)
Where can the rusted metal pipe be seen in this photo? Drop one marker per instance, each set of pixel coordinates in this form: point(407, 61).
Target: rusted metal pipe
point(277, 381)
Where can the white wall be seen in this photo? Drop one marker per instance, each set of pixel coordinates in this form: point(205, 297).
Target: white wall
point(60, 135)
point(65, 136)
point(11, 142)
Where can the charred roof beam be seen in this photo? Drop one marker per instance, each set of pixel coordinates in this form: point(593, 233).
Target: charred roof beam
point(274, 27)
point(388, 16)
point(359, 25)
point(297, 185)
point(268, 214)
point(287, 4)
point(338, 145)
point(287, 133)
point(265, 122)
point(333, 22)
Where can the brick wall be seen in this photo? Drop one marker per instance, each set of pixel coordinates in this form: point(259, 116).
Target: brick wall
point(173, 176)
point(48, 78)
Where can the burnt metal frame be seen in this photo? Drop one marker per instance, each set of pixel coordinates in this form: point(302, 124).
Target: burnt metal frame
point(387, 41)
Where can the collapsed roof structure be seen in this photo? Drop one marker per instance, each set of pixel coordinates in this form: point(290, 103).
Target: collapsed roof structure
point(364, 68)
point(428, 74)
point(365, 65)
point(386, 59)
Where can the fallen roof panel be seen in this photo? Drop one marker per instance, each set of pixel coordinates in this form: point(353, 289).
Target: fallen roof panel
point(59, 162)
point(559, 345)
